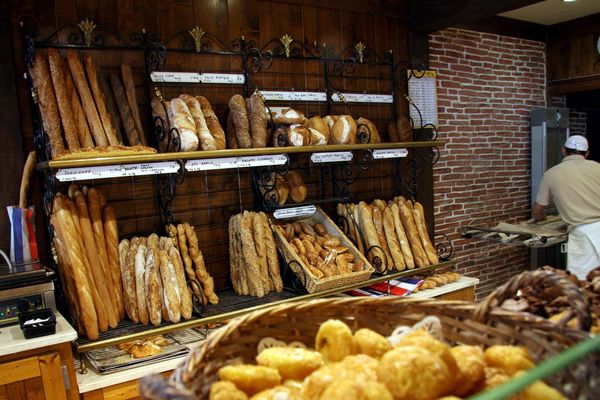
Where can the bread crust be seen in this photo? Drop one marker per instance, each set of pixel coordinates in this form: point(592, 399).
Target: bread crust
point(213, 123)
point(239, 115)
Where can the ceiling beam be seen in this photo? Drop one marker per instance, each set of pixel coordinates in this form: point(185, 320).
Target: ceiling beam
point(508, 27)
point(435, 15)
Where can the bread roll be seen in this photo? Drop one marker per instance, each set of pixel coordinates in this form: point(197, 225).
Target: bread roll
point(330, 121)
point(321, 126)
point(92, 74)
point(317, 138)
point(298, 190)
point(133, 136)
point(213, 123)
point(111, 234)
point(288, 116)
point(127, 77)
point(64, 106)
point(239, 115)
point(344, 130)
point(368, 130)
point(171, 295)
point(89, 107)
point(298, 135)
point(42, 82)
point(181, 118)
point(207, 142)
point(258, 123)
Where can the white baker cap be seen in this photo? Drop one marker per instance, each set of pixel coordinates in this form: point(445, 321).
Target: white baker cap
point(577, 142)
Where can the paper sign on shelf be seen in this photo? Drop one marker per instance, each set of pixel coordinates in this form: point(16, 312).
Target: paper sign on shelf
point(294, 96)
point(338, 156)
point(210, 164)
point(175, 77)
point(293, 212)
point(234, 79)
point(389, 153)
point(116, 171)
point(364, 98)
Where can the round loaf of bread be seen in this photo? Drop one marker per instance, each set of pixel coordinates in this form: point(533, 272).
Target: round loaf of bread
point(316, 137)
point(317, 123)
point(344, 130)
point(298, 135)
point(288, 116)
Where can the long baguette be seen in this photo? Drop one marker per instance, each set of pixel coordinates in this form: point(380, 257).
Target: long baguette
point(392, 239)
point(378, 222)
point(123, 253)
point(91, 113)
point(140, 283)
point(355, 218)
point(111, 106)
point(81, 125)
point(133, 136)
point(98, 284)
point(132, 101)
point(371, 238)
point(65, 270)
point(171, 295)
point(234, 271)
point(237, 109)
point(249, 256)
point(65, 230)
point(42, 82)
point(419, 217)
point(62, 99)
point(402, 239)
point(111, 233)
point(151, 284)
point(129, 287)
point(258, 235)
point(185, 296)
point(413, 236)
point(92, 74)
point(272, 258)
point(213, 123)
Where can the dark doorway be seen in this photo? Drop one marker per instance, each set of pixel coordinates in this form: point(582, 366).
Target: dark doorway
point(589, 102)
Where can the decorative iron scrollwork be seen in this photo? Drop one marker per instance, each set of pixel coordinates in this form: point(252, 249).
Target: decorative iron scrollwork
point(376, 261)
point(265, 183)
point(342, 176)
point(156, 56)
point(443, 247)
point(363, 133)
point(365, 161)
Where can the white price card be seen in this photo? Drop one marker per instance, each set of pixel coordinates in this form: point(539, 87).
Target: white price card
point(423, 94)
point(175, 77)
point(116, 171)
point(210, 164)
point(364, 98)
point(338, 156)
point(389, 153)
point(234, 79)
point(294, 96)
point(294, 212)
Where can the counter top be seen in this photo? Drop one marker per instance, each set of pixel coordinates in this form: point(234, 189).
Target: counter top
point(463, 282)
point(12, 339)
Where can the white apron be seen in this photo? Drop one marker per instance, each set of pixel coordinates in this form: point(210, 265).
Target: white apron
point(583, 250)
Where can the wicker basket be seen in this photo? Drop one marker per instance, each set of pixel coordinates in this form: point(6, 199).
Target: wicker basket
point(308, 280)
point(300, 322)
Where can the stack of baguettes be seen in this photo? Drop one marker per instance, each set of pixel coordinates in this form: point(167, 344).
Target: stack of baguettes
point(154, 283)
point(80, 110)
point(194, 119)
point(395, 232)
point(87, 245)
point(254, 264)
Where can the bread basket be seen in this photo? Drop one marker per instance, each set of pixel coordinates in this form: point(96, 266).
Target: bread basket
point(300, 322)
point(308, 280)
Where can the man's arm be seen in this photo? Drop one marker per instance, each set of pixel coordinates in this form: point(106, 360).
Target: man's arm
point(538, 212)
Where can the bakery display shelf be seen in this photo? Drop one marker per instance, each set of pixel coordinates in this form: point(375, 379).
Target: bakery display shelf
point(116, 159)
point(231, 305)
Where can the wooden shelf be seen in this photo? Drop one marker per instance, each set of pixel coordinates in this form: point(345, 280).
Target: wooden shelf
point(113, 337)
point(116, 159)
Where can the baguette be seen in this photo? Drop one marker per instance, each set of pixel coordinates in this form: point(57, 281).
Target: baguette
point(185, 296)
point(124, 246)
point(100, 292)
point(171, 296)
point(140, 283)
point(111, 233)
point(370, 233)
point(419, 217)
point(231, 138)
point(81, 125)
point(129, 287)
point(362, 244)
point(111, 107)
point(213, 123)
point(91, 113)
point(196, 255)
point(92, 74)
point(234, 272)
point(272, 258)
point(133, 136)
point(151, 284)
point(392, 239)
point(65, 270)
point(65, 230)
point(132, 101)
point(258, 122)
point(259, 239)
point(207, 142)
point(412, 234)
point(62, 99)
point(402, 238)
point(188, 263)
point(42, 82)
point(378, 223)
point(249, 256)
point(239, 115)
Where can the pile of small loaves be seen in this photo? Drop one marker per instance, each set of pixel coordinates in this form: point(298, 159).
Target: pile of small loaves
point(394, 232)
point(80, 110)
point(289, 187)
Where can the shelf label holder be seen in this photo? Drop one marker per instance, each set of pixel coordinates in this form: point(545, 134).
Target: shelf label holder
point(210, 164)
point(116, 171)
point(329, 157)
point(380, 154)
point(303, 211)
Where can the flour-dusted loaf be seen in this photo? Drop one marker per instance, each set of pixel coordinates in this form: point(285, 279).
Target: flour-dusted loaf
point(288, 116)
point(171, 294)
point(207, 142)
point(298, 135)
point(344, 130)
point(213, 123)
point(129, 86)
point(317, 123)
point(133, 136)
point(140, 283)
point(109, 221)
point(182, 119)
point(239, 117)
point(258, 122)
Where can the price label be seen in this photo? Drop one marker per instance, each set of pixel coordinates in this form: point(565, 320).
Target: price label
point(175, 77)
point(364, 98)
point(338, 156)
point(293, 212)
point(389, 153)
point(235, 162)
point(116, 171)
point(234, 79)
point(294, 96)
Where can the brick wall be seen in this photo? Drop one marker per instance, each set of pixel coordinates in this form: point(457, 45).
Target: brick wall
point(486, 85)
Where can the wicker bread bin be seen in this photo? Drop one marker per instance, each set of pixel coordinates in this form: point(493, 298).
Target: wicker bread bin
point(462, 322)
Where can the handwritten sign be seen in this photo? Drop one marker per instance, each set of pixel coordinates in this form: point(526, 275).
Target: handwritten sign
point(234, 79)
point(364, 98)
point(294, 96)
point(210, 164)
point(294, 212)
point(116, 171)
point(338, 156)
point(175, 77)
point(389, 153)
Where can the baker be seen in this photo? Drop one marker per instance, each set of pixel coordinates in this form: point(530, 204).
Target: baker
point(574, 185)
